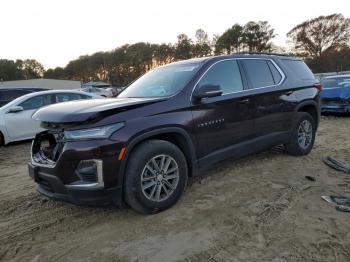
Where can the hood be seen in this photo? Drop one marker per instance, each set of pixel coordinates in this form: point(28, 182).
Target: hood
point(88, 110)
point(342, 93)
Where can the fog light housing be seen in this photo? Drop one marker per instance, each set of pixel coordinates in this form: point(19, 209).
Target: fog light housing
point(87, 171)
point(90, 173)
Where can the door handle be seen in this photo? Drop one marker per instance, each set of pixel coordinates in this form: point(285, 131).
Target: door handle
point(289, 93)
point(244, 101)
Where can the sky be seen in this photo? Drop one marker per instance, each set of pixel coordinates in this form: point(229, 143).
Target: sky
point(57, 31)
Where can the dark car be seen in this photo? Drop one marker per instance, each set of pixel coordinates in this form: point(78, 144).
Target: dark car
point(335, 96)
point(171, 124)
point(11, 93)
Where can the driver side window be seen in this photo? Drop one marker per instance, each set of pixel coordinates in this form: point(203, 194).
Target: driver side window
point(226, 74)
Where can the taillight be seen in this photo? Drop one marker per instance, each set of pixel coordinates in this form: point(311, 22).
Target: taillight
point(318, 86)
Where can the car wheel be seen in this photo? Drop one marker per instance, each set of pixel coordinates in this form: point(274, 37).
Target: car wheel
point(303, 135)
point(156, 176)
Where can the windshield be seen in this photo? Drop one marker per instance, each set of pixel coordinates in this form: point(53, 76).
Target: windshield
point(162, 82)
point(336, 82)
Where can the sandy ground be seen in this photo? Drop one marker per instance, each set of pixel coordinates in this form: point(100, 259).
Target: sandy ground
point(260, 208)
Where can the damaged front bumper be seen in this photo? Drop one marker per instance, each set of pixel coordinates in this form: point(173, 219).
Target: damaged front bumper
point(82, 172)
point(52, 187)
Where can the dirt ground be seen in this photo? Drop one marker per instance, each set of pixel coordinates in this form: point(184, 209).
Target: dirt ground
point(260, 208)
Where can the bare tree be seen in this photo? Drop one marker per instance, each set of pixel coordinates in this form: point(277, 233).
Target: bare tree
point(314, 37)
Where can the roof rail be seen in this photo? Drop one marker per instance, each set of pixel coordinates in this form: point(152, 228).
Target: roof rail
point(263, 53)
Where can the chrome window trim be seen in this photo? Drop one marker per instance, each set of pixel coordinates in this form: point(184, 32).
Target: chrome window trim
point(244, 90)
point(211, 92)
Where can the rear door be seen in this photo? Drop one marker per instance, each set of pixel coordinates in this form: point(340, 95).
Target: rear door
point(226, 120)
point(273, 106)
point(20, 125)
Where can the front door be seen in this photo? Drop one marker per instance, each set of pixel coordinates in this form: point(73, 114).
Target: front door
point(224, 121)
point(20, 125)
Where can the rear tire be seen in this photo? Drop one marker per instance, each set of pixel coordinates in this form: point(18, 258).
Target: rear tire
point(156, 176)
point(303, 135)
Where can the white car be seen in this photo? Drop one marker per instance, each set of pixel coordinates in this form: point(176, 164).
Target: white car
point(102, 91)
point(16, 121)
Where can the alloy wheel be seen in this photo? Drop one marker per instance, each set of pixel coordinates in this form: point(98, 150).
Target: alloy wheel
point(159, 178)
point(305, 134)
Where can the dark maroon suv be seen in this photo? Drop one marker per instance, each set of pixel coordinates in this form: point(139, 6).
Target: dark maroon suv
point(170, 124)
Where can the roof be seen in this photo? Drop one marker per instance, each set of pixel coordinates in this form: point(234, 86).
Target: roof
point(24, 97)
point(264, 53)
point(337, 76)
point(257, 55)
point(96, 84)
point(60, 91)
point(23, 88)
point(234, 55)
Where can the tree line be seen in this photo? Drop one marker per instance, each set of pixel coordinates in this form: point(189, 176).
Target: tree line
point(20, 69)
point(124, 64)
point(324, 43)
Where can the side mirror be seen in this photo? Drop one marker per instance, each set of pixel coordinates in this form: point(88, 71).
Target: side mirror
point(206, 91)
point(15, 109)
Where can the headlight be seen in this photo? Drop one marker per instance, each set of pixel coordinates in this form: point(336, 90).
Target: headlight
point(102, 132)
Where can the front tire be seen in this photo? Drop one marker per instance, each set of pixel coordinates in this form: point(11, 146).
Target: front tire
point(156, 176)
point(303, 135)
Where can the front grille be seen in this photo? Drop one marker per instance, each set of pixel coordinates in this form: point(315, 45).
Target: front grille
point(47, 147)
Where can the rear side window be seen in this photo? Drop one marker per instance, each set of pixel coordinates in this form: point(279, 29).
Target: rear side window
point(85, 97)
point(226, 74)
point(329, 83)
point(336, 82)
point(64, 97)
point(258, 73)
point(277, 77)
point(299, 68)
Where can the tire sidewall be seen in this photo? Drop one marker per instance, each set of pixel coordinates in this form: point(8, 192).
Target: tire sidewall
point(143, 154)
